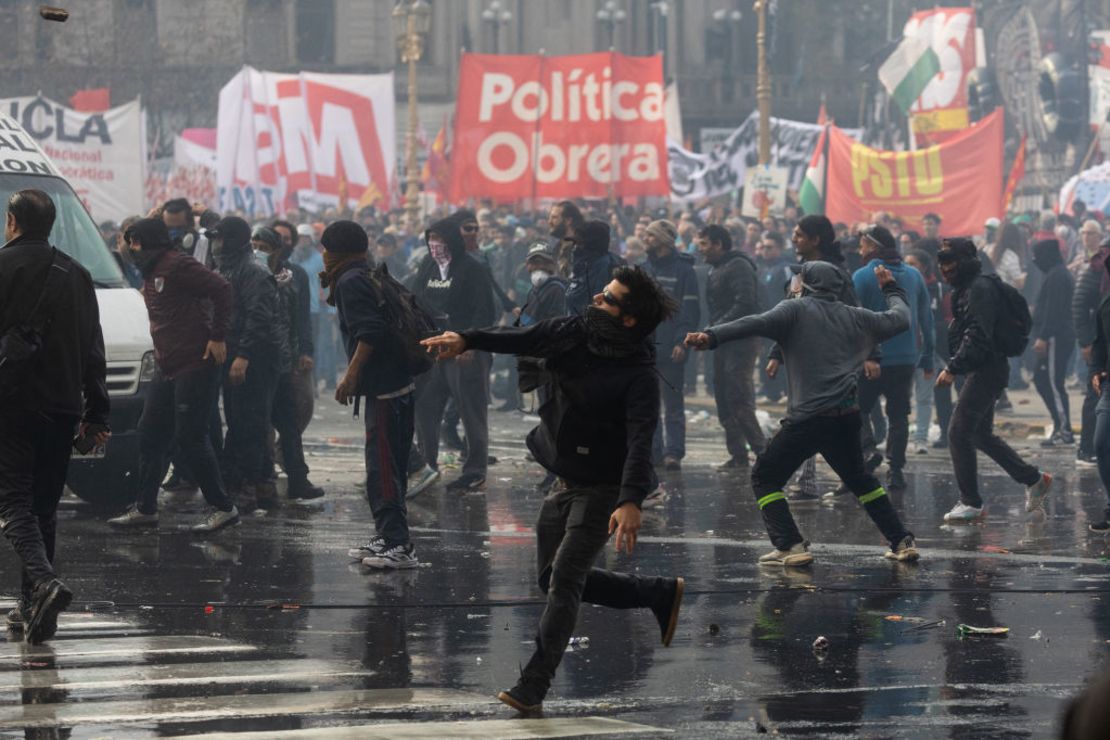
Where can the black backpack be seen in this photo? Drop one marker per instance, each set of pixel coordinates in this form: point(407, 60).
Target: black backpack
point(23, 341)
point(409, 321)
point(1014, 323)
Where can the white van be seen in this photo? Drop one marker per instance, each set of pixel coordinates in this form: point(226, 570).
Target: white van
point(111, 481)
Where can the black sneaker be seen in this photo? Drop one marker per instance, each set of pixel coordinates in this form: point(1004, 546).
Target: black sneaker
point(1066, 437)
point(895, 480)
point(941, 444)
point(667, 613)
point(1102, 527)
point(467, 484)
point(267, 496)
point(303, 490)
point(48, 600)
point(525, 697)
point(1085, 459)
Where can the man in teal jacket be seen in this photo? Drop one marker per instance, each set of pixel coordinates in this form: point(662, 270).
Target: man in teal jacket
point(902, 355)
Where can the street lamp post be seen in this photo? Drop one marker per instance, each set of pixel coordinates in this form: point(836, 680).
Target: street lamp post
point(495, 16)
point(661, 8)
point(763, 84)
point(610, 16)
point(412, 19)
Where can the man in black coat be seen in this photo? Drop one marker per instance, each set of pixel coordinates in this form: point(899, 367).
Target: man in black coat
point(595, 434)
point(61, 390)
point(253, 357)
point(1053, 338)
point(457, 290)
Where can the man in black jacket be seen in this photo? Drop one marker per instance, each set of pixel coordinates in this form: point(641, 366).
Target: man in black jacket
point(62, 390)
point(1053, 339)
point(595, 434)
point(377, 370)
point(295, 345)
point(251, 371)
point(974, 352)
point(457, 290)
point(732, 292)
point(592, 264)
point(1090, 287)
point(675, 273)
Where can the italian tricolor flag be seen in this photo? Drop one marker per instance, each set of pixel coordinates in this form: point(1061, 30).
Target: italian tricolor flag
point(908, 71)
point(811, 196)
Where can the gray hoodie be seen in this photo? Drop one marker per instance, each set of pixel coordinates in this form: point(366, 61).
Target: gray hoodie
point(824, 341)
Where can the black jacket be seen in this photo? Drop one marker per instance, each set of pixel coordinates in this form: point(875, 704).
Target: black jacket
point(1100, 345)
point(971, 333)
point(464, 298)
point(293, 316)
point(591, 270)
point(1085, 302)
point(254, 334)
point(1052, 312)
point(68, 379)
point(598, 424)
point(549, 301)
point(732, 290)
point(675, 273)
point(361, 319)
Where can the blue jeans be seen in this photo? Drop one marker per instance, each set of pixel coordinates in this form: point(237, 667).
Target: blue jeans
point(923, 402)
point(1102, 442)
point(670, 436)
point(326, 347)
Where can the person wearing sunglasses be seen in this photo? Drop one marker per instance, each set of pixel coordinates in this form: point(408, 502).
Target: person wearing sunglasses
point(595, 435)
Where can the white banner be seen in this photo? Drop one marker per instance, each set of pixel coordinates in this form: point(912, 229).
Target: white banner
point(304, 140)
point(722, 170)
point(101, 154)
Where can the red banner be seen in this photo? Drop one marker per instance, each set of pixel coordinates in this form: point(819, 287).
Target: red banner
point(942, 108)
point(960, 180)
point(583, 126)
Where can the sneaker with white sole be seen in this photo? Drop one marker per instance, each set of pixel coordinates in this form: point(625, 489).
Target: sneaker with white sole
point(421, 481)
point(655, 499)
point(134, 518)
point(218, 520)
point(905, 552)
point(797, 555)
point(376, 546)
point(1036, 493)
point(961, 512)
point(398, 557)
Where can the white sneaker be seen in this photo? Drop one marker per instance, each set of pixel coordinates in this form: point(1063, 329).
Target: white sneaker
point(1036, 493)
point(655, 499)
point(218, 520)
point(398, 557)
point(421, 481)
point(134, 518)
point(376, 546)
point(797, 555)
point(961, 512)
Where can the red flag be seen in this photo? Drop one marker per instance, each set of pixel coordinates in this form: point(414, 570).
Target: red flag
point(94, 100)
point(823, 116)
point(435, 175)
point(1017, 172)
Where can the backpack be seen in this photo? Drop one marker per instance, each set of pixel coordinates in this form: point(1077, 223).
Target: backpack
point(21, 344)
point(410, 322)
point(1014, 323)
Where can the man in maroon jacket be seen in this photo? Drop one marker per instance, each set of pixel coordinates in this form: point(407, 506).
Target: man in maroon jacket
point(190, 312)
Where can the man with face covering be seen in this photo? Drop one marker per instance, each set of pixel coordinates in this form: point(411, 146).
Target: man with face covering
point(190, 314)
point(295, 344)
point(592, 265)
point(595, 434)
point(457, 290)
point(975, 354)
point(823, 341)
point(1053, 338)
point(250, 374)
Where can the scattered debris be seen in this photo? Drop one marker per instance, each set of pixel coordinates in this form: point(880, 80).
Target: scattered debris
point(966, 630)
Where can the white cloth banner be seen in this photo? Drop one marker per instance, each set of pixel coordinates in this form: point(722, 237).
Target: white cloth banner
point(722, 170)
point(304, 140)
point(101, 154)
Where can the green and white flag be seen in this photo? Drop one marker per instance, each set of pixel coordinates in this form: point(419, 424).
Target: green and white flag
point(908, 71)
point(811, 196)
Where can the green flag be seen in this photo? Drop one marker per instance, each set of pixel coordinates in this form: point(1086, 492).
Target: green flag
point(908, 71)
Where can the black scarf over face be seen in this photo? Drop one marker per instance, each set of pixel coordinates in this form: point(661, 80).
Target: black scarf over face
point(607, 336)
point(146, 259)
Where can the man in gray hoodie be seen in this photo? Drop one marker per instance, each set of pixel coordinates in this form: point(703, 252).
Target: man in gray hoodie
point(824, 343)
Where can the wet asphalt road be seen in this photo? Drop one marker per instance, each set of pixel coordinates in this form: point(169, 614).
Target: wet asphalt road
point(269, 629)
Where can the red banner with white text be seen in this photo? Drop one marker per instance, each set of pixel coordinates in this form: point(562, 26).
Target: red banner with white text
point(959, 180)
point(582, 126)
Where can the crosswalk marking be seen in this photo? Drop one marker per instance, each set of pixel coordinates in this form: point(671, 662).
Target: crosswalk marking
point(201, 708)
point(12, 654)
point(511, 729)
point(223, 672)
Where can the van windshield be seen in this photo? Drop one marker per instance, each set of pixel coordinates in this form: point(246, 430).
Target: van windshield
point(74, 231)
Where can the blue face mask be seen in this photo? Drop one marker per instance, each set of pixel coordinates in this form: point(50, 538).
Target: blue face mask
point(262, 258)
point(177, 234)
